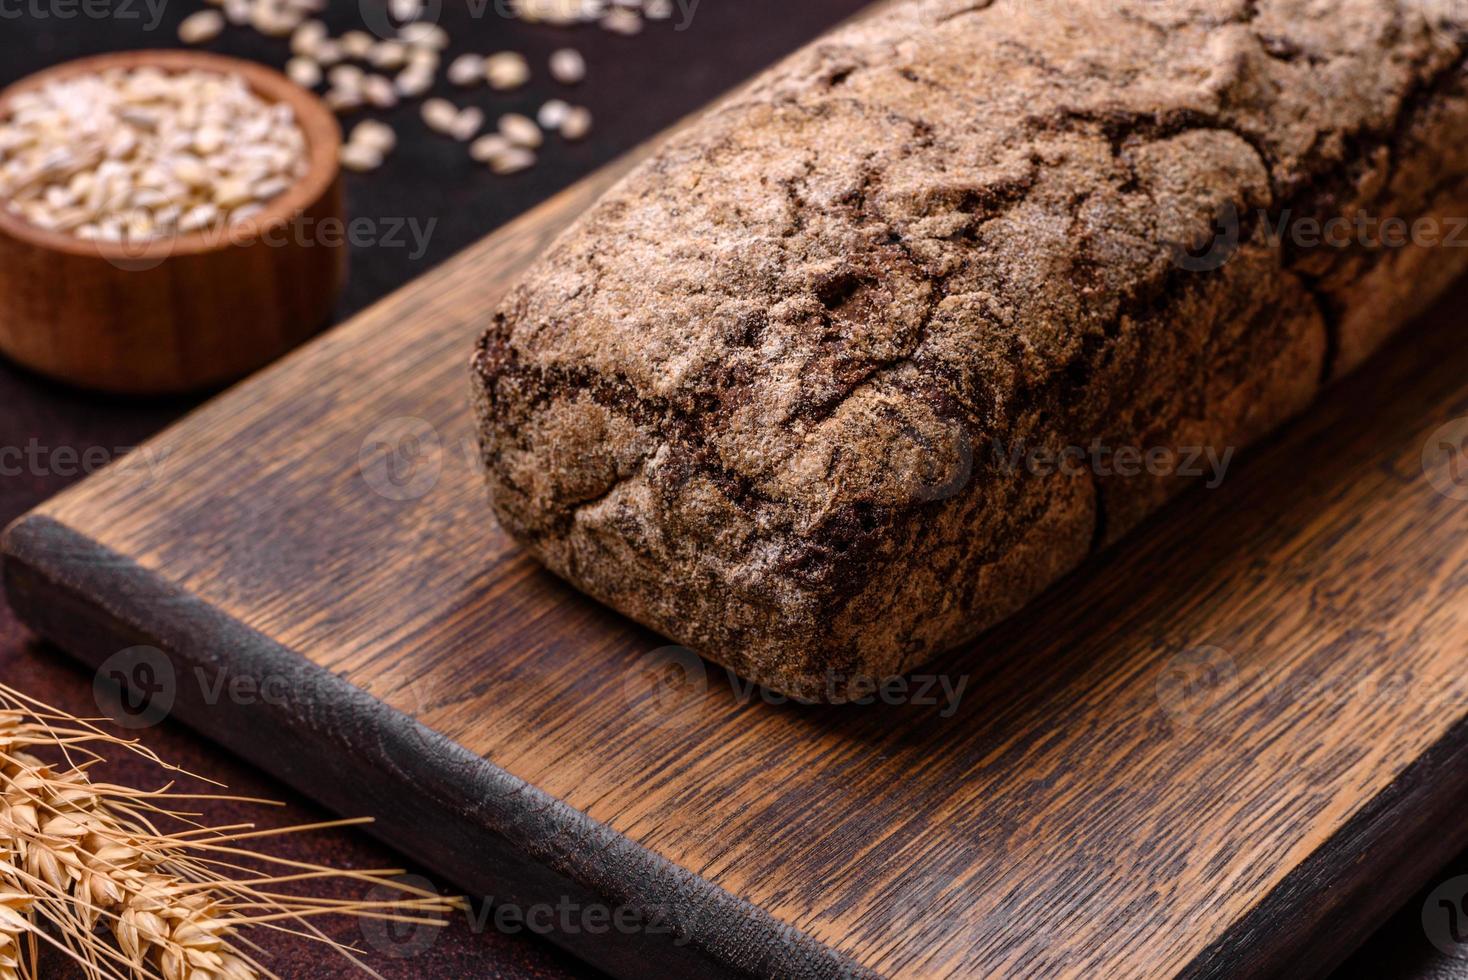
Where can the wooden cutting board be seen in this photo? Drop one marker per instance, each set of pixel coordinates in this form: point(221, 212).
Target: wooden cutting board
point(1230, 744)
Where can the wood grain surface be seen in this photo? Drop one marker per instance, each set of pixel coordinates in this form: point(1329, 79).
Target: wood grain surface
point(1233, 742)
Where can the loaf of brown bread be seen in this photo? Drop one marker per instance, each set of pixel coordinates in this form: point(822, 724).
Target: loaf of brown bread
point(793, 392)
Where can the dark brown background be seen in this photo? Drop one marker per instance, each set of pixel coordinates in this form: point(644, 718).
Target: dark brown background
point(636, 87)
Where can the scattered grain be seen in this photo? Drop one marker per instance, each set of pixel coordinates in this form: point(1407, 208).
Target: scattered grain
point(559, 12)
point(344, 99)
point(467, 124)
point(439, 114)
point(346, 76)
point(423, 59)
point(577, 123)
point(307, 38)
point(403, 11)
point(328, 52)
point(378, 135)
point(388, 55)
point(423, 35)
point(513, 160)
point(486, 148)
point(567, 66)
point(360, 158)
point(552, 115)
point(414, 55)
point(506, 70)
point(378, 90)
point(520, 130)
point(357, 44)
point(273, 20)
point(622, 20)
point(466, 70)
point(202, 27)
point(304, 72)
point(413, 82)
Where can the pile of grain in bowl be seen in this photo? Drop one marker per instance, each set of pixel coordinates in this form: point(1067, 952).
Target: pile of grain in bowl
point(136, 154)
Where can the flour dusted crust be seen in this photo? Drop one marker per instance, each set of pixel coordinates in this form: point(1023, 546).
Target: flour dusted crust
point(764, 396)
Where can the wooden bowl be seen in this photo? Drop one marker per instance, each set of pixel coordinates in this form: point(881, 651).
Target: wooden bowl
point(184, 313)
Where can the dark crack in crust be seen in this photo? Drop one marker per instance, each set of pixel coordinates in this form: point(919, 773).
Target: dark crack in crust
point(766, 396)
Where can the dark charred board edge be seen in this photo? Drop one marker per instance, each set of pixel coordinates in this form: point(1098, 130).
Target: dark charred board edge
point(516, 843)
point(1331, 902)
point(521, 845)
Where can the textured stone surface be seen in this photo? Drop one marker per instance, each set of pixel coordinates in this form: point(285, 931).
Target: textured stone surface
point(767, 395)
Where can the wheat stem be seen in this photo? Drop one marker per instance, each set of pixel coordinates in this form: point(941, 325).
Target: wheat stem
point(87, 858)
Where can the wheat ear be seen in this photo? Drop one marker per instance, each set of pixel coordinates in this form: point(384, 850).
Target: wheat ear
point(17, 939)
point(89, 858)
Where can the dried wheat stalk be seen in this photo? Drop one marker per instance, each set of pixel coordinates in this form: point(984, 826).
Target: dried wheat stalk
point(91, 859)
point(17, 944)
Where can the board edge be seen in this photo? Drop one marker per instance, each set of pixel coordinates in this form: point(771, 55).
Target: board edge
point(1351, 884)
point(52, 575)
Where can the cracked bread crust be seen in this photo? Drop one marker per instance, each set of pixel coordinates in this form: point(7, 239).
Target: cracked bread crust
point(767, 396)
